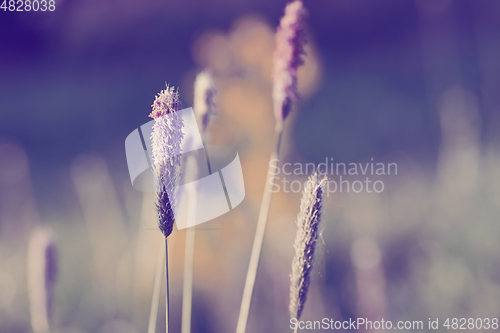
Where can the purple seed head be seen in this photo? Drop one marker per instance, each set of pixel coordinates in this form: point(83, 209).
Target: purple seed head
point(42, 275)
point(166, 102)
point(166, 140)
point(308, 221)
point(204, 104)
point(290, 41)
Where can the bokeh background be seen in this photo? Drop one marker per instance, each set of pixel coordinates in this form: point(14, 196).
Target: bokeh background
point(409, 82)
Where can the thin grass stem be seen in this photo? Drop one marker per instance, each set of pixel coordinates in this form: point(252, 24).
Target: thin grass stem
point(167, 304)
point(155, 301)
point(187, 293)
point(259, 237)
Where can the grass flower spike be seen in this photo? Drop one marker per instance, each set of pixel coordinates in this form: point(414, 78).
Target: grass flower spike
point(166, 140)
point(204, 105)
point(166, 143)
point(308, 221)
point(42, 274)
point(287, 58)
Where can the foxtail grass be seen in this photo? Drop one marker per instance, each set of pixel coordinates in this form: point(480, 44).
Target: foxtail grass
point(286, 60)
point(42, 274)
point(166, 140)
point(308, 221)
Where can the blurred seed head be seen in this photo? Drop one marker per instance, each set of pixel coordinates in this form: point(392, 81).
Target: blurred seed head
point(288, 54)
point(308, 221)
point(42, 274)
point(204, 104)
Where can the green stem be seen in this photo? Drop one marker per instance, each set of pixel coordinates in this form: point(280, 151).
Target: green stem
point(259, 237)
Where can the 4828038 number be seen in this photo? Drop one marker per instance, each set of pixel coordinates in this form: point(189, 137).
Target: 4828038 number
point(471, 323)
point(28, 5)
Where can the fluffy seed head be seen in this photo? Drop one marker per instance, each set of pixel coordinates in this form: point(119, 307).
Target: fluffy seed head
point(308, 221)
point(287, 58)
point(166, 140)
point(42, 274)
point(204, 105)
point(166, 102)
